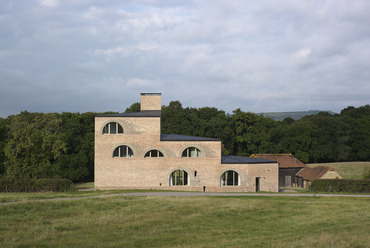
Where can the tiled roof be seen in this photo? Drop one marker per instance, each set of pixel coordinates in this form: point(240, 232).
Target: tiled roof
point(176, 137)
point(144, 113)
point(284, 160)
point(227, 159)
point(312, 173)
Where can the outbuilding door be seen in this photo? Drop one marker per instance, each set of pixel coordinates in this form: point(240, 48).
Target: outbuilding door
point(288, 181)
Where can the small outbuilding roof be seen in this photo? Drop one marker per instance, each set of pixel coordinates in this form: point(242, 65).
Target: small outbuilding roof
point(143, 113)
point(177, 137)
point(313, 173)
point(284, 160)
point(229, 159)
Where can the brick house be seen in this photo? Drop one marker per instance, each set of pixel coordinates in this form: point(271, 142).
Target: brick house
point(131, 152)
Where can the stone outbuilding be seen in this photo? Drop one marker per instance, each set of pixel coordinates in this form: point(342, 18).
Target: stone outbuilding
point(132, 153)
point(289, 166)
point(308, 174)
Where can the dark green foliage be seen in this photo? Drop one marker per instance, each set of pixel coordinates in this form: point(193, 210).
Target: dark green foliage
point(202, 122)
point(35, 141)
point(252, 133)
point(135, 107)
point(278, 116)
point(77, 162)
point(3, 137)
point(341, 185)
point(36, 145)
point(35, 185)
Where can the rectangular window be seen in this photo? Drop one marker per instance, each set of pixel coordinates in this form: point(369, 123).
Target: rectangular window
point(112, 128)
point(123, 151)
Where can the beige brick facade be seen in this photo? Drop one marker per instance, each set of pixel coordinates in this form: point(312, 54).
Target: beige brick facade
point(141, 133)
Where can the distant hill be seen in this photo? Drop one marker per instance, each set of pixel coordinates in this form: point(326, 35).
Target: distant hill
point(278, 116)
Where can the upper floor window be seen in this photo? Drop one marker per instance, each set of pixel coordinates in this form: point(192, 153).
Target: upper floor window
point(123, 151)
point(191, 152)
point(154, 154)
point(112, 128)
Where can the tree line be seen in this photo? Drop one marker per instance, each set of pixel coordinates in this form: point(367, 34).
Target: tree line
point(53, 145)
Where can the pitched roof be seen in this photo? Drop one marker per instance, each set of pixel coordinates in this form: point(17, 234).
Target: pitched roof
point(228, 159)
point(313, 173)
point(143, 113)
point(176, 137)
point(284, 160)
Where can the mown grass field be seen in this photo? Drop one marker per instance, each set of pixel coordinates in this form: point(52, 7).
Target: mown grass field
point(348, 170)
point(128, 221)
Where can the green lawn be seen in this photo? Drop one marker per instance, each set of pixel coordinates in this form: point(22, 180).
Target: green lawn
point(348, 170)
point(128, 221)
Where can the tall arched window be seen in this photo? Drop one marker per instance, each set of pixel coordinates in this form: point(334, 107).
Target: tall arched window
point(179, 177)
point(230, 178)
point(112, 128)
point(153, 154)
point(191, 152)
point(123, 151)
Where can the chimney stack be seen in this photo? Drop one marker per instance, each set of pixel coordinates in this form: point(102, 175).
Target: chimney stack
point(150, 101)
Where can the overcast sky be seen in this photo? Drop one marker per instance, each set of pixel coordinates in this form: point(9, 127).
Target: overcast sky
point(260, 56)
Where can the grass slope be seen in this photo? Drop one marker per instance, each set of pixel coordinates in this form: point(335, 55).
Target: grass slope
point(126, 221)
point(348, 170)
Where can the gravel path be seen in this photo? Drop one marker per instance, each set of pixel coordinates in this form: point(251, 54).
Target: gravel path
point(186, 194)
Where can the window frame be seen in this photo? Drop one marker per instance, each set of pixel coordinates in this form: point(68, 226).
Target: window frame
point(128, 153)
point(179, 175)
point(187, 152)
point(150, 152)
point(107, 129)
point(224, 179)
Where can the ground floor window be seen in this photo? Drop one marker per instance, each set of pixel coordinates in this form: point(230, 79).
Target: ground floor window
point(179, 177)
point(230, 178)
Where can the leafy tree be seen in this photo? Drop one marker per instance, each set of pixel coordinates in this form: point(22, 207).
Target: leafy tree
point(358, 119)
point(77, 162)
point(35, 143)
point(296, 138)
point(135, 107)
point(3, 141)
point(252, 133)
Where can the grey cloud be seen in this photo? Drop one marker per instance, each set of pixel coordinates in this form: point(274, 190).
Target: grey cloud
point(260, 56)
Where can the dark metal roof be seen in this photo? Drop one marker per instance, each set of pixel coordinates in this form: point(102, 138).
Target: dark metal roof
point(176, 137)
point(151, 94)
point(228, 159)
point(144, 113)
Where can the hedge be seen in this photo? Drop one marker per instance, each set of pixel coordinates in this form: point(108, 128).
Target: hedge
point(35, 185)
point(341, 185)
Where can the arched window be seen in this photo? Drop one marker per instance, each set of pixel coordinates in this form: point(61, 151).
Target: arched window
point(112, 128)
point(179, 177)
point(153, 154)
point(230, 178)
point(191, 152)
point(123, 151)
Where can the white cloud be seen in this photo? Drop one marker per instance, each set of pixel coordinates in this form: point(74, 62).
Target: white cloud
point(139, 83)
point(49, 3)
